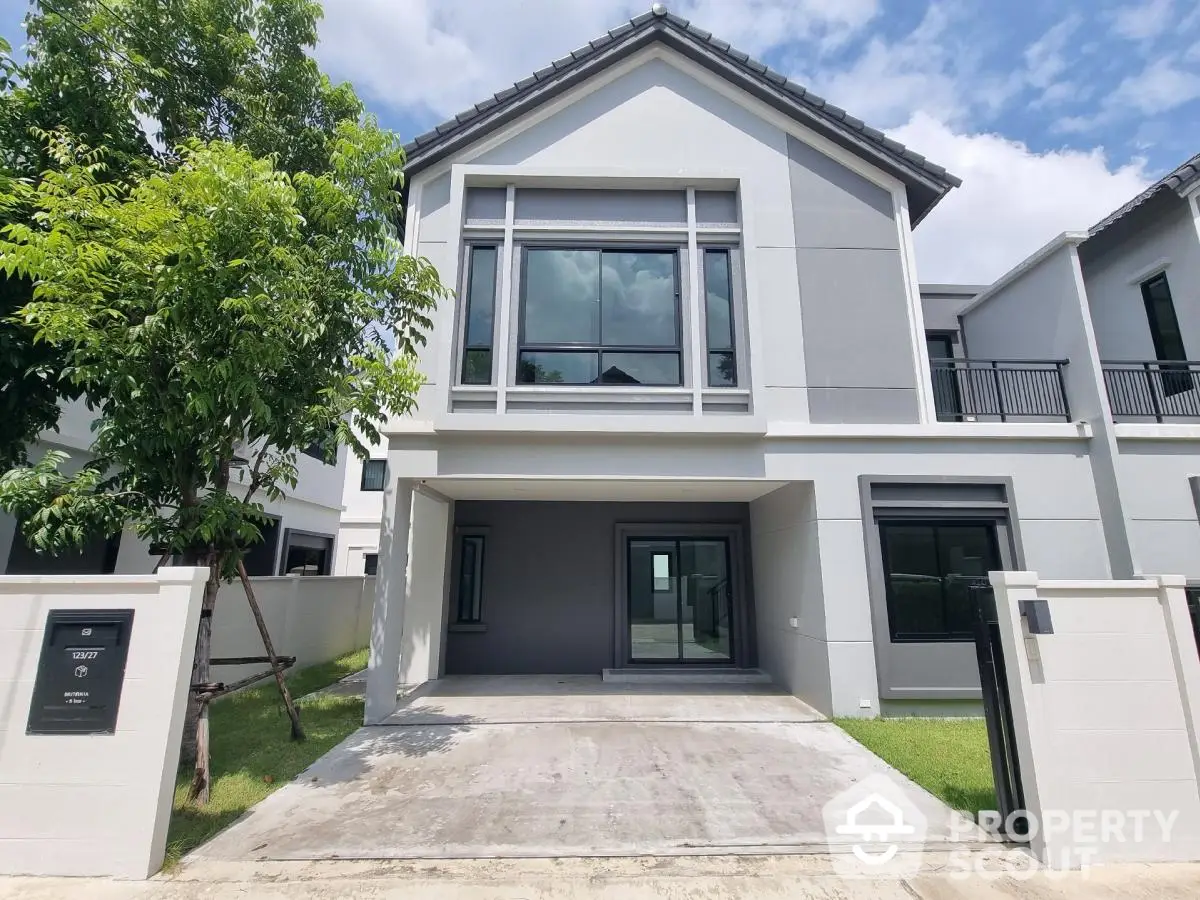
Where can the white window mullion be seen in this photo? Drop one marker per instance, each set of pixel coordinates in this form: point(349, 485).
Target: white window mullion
point(696, 352)
point(503, 321)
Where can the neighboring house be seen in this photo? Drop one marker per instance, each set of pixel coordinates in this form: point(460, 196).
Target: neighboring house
point(362, 515)
point(1122, 302)
point(682, 413)
point(300, 538)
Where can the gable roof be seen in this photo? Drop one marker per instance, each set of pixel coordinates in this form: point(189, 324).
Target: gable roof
point(925, 181)
point(1179, 180)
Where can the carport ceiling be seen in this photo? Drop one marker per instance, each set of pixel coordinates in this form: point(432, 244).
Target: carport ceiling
point(625, 490)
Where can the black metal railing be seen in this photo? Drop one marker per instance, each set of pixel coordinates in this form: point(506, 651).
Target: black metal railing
point(970, 390)
point(1157, 390)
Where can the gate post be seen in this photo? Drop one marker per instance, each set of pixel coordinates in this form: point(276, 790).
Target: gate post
point(997, 711)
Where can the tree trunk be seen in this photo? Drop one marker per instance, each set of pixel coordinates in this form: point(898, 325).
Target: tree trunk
point(293, 713)
point(196, 749)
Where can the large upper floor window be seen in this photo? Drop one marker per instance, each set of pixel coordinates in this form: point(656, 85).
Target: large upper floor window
point(600, 316)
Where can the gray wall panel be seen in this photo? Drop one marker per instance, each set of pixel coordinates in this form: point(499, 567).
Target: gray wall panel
point(485, 204)
point(547, 205)
point(716, 207)
point(834, 207)
point(548, 589)
point(856, 334)
point(862, 405)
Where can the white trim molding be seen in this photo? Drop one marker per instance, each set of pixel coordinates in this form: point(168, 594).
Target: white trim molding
point(1145, 273)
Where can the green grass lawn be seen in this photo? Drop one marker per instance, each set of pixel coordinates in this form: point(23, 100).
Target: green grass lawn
point(252, 750)
point(947, 757)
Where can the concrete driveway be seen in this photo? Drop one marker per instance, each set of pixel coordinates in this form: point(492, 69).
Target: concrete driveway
point(569, 766)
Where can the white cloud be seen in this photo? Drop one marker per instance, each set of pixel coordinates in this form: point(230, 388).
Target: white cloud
point(1163, 85)
point(443, 56)
point(1144, 20)
point(1012, 200)
point(935, 69)
point(1046, 62)
point(1158, 88)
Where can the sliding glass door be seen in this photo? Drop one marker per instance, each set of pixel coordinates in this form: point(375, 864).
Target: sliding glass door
point(680, 600)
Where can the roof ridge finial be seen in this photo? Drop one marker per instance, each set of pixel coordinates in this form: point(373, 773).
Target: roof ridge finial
point(658, 9)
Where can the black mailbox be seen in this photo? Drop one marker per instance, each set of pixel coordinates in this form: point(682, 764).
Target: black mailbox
point(80, 672)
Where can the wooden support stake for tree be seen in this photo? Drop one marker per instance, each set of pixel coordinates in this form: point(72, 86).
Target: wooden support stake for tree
point(293, 713)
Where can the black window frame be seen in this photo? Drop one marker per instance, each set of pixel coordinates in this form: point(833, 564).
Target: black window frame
point(732, 350)
point(308, 540)
point(466, 348)
point(371, 564)
point(599, 348)
point(992, 526)
point(475, 604)
point(362, 482)
point(1174, 379)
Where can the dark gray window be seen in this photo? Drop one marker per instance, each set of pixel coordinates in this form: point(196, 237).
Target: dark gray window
point(478, 329)
point(718, 319)
point(370, 563)
point(305, 553)
point(470, 579)
point(928, 568)
point(1164, 331)
point(374, 475)
point(596, 316)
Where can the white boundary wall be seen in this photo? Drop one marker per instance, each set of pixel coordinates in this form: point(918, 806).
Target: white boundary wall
point(95, 804)
point(1105, 714)
point(314, 619)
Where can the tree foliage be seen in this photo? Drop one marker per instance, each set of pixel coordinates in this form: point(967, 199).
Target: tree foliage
point(141, 78)
point(216, 311)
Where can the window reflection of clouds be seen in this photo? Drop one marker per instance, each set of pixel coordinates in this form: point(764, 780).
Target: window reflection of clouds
point(639, 299)
point(562, 296)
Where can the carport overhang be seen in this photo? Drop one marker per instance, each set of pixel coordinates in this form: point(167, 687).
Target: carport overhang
point(624, 490)
point(412, 587)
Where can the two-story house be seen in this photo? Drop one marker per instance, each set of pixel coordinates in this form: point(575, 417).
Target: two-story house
point(681, 414)
point(1122, 301)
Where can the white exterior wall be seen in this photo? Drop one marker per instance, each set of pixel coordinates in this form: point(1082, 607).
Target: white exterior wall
point(312, 619)
point(1040, 311)
point(95, 804)
point(1100, 740)
point(1169, 243)
point(1159, 502)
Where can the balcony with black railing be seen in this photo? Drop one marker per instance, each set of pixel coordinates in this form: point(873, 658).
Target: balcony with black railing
point(1153, 391)
point(998, 390)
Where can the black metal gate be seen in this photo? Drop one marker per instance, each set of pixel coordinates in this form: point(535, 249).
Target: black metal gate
point(997, 710)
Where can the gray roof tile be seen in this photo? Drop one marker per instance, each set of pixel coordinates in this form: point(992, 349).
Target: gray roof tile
point(1178, 180)
point(836, 117)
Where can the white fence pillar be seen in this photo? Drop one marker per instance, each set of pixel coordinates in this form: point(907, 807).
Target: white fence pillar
point(95, 804)
point(1105, 711)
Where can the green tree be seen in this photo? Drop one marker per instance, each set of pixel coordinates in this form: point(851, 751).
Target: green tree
point(187, 69)
point(217, 310)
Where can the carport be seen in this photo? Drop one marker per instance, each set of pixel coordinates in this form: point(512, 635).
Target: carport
point(554, 766)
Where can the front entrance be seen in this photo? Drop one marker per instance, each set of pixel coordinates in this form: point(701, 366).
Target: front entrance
point(680, 600)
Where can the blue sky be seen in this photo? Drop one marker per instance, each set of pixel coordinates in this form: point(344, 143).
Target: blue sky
point(1052, 112)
